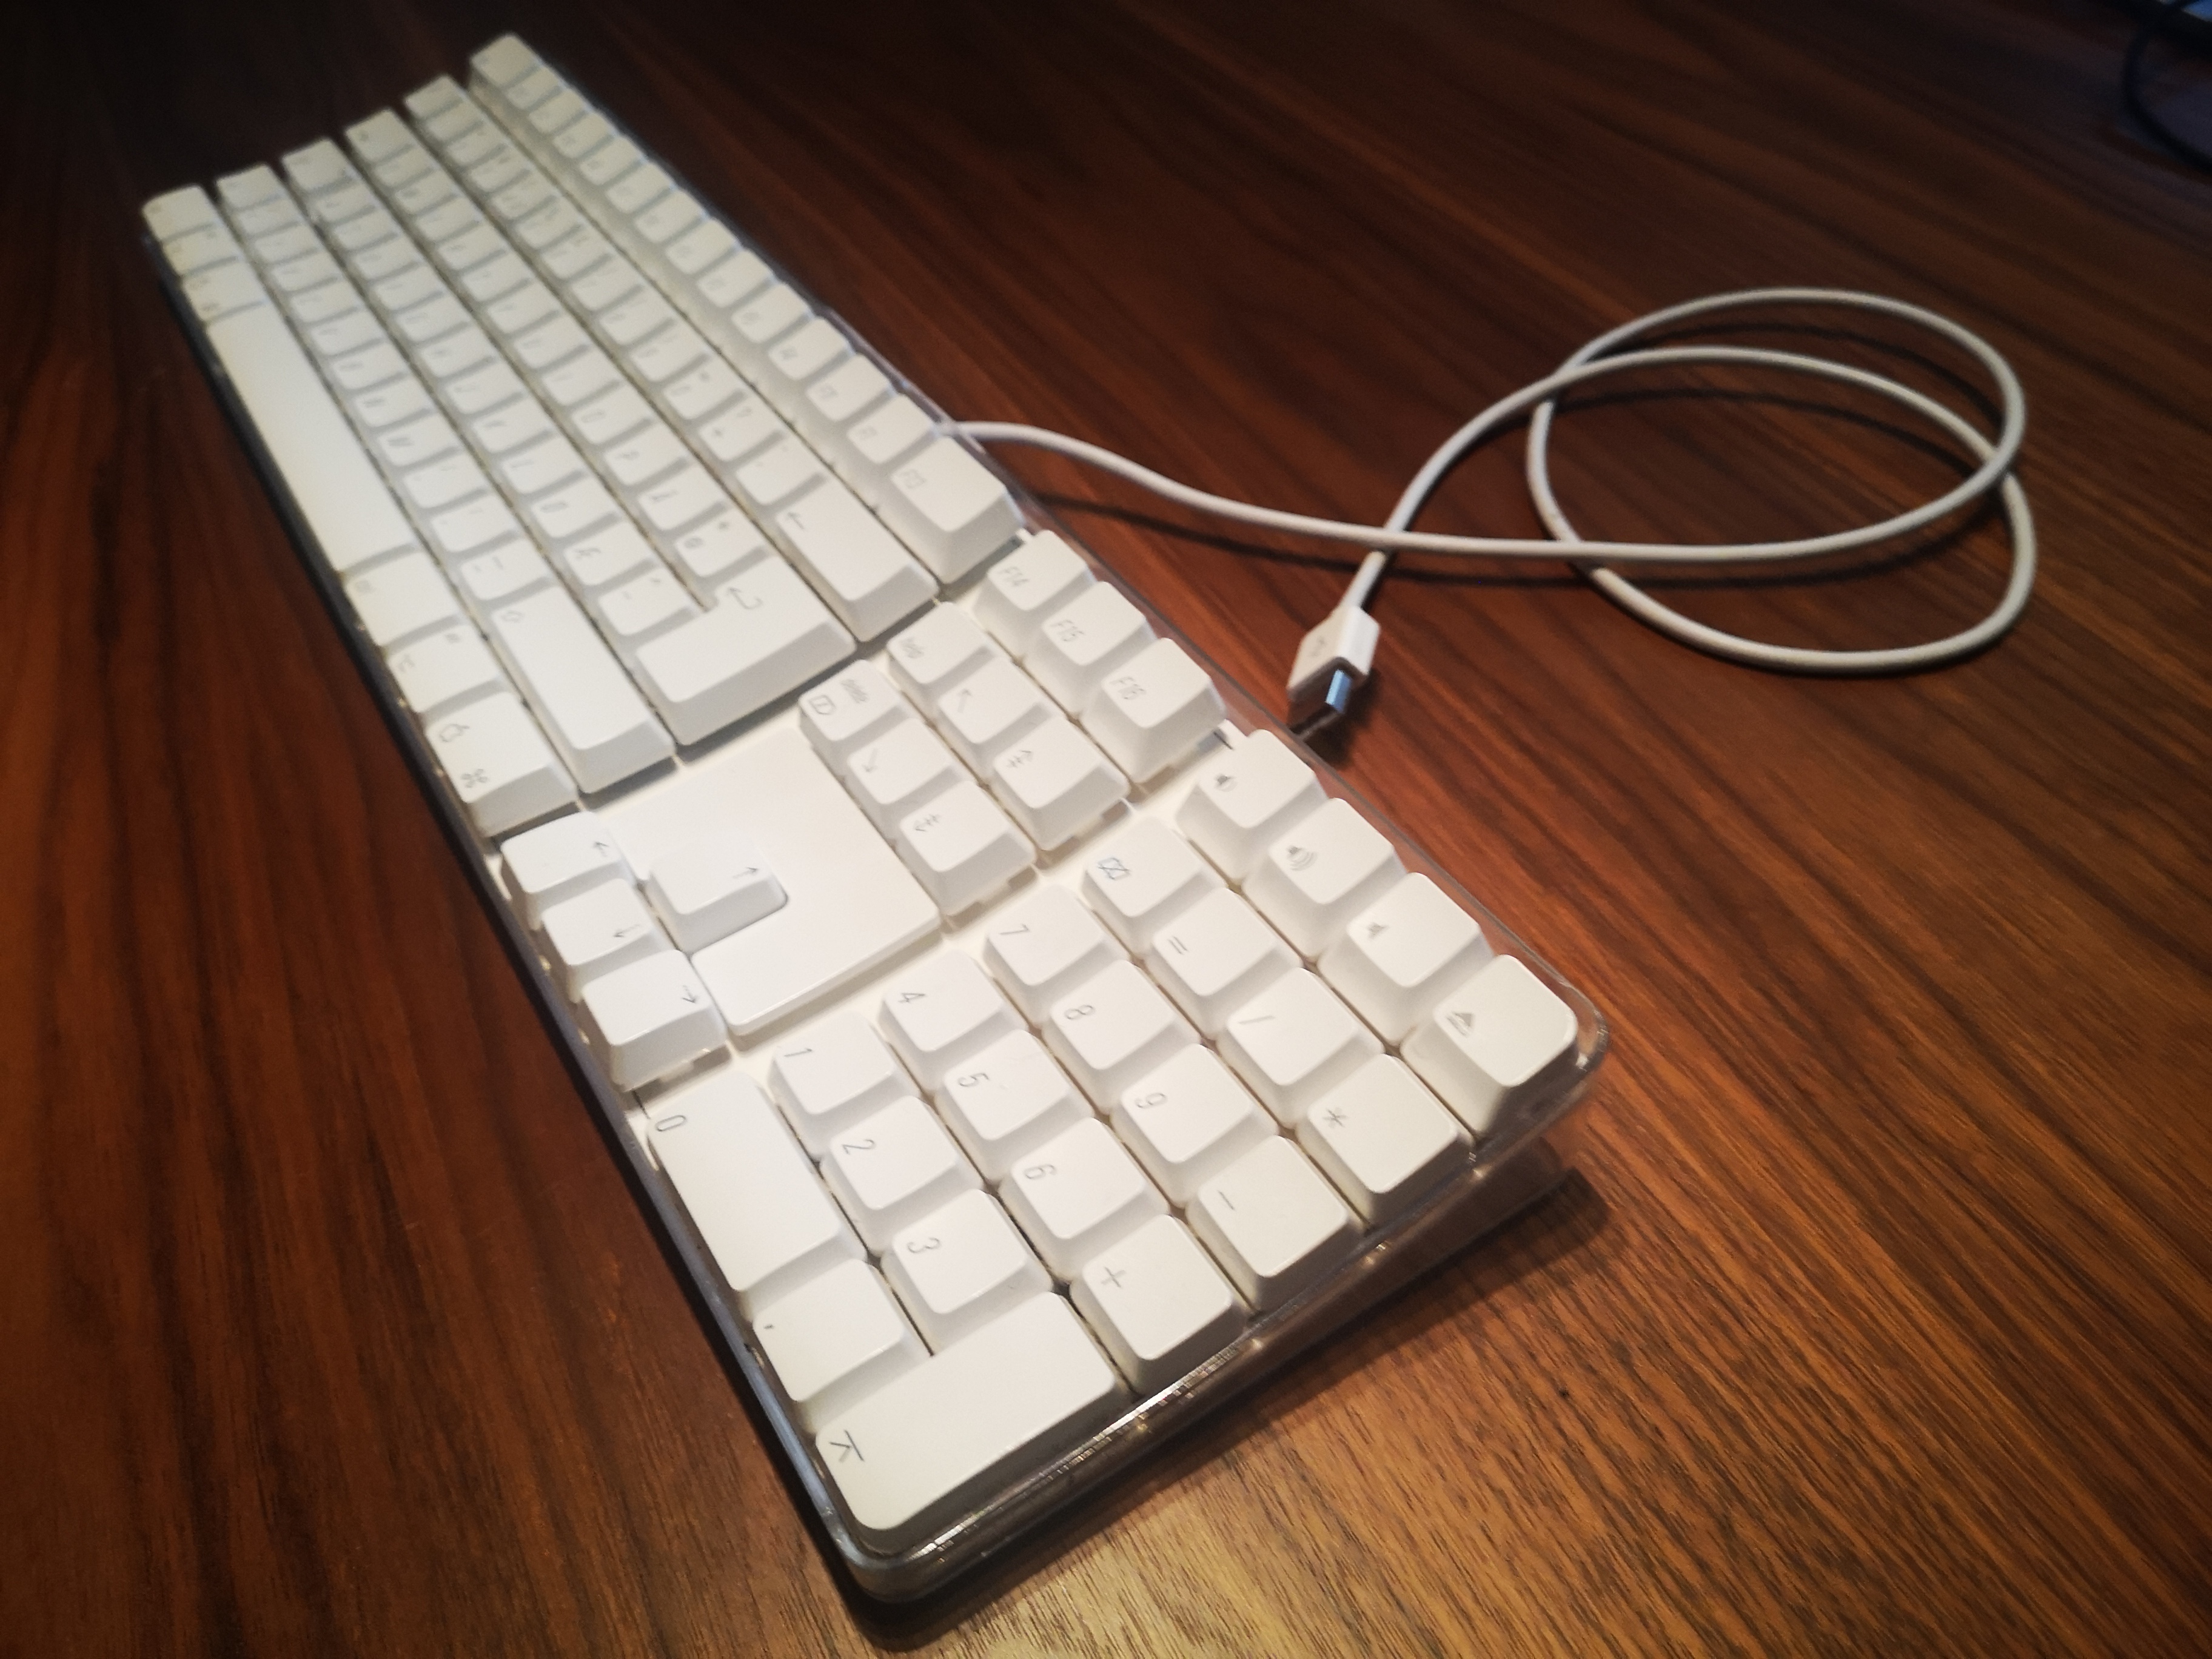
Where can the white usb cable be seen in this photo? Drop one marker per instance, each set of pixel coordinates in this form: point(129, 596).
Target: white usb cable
point(1338, 654)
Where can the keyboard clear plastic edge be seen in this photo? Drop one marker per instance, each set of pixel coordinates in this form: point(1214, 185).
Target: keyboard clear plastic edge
point(1518, 1161)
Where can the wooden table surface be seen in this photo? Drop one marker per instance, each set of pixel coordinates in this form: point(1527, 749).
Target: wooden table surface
point(1877, 1316)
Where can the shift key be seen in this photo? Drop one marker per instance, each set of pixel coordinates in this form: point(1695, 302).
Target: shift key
point(590, 709)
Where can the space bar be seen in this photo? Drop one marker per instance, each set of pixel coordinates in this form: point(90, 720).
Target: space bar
point(347, 507)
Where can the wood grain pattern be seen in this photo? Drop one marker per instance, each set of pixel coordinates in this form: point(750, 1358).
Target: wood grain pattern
point(1879, 1315)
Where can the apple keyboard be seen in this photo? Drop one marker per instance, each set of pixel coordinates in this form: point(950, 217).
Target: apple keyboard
point(1024, 1044)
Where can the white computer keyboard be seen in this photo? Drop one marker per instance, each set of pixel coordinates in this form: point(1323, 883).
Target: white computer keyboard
point(1024, 1043)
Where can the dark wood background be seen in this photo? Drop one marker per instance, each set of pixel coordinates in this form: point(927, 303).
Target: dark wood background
point(1878, 1317)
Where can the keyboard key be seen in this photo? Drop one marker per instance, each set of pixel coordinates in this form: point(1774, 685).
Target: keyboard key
point(1247, 797)
point(1044, 945)
point(893, 1168)
point(937, 653)
point(853, 562)
point(1216, 957)
point(1158, 1303)
point(894, 774)
point(766, 1218)
point(504, 274)
point(1142, 876)
point(611, 417)
point(765, 317)
point(378, 138)
point(703, 244)
point(643, 314)
point(289, 243)
point(443, 483)
point(637, 188)
point(1079, 645)
point(240, 192)
point(1501, 1032)
point(831, 1076)
point(1382, 1138)
point(539, 467)
point(800, 356)
point(646, 1019)
point(1113, 1029)
point(710, 888)
point(500, 764)
point(1326, 871)
point(504, 62)
point(1294, 1042)
point(554, 340)
point(743, 430)
point(962, 847)
point(949, 508)
point(1020, 591)
point(473, 527)
point(439, 315)
point(559, 861)
point(503, 575)
point(417, 196)
point(643, 607)
point(1273, 1223)
point(1153, 710)
point(457, 354)
point(1055, 782)
point(344, 336)
point(672, 352)
point(318, 167)
point(1187, 1121)
point(401, 598)
point(443, 670)
point(1007, 1398)
point(1398, 956)
point(522, 310)
point(835, 1340)
point(850, 710)
point(566, 246)
point(960, 1266)
point(702, 390)
point(992, 708)
point(605, 285)
point(1079, 1192)
point(592, 712)
point(874, 445)
point(228, 288)
point(941, 1010)
point(482, 388)
point(710, 552)
point(605, 557)
point(1008, 1099)
point(394, 402)
point(734, 281)
point(601, 929)
point(844, 394)
point(370, 366)
point(196, 249)
point(766, 635)
point(170, 215)
point(471, 250)
point(557, 111)
point(581, 378)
